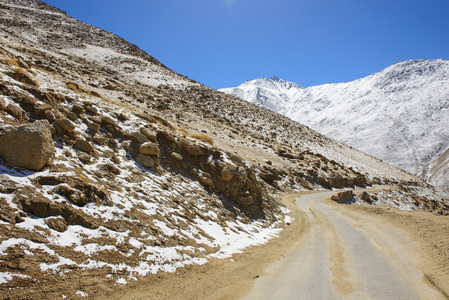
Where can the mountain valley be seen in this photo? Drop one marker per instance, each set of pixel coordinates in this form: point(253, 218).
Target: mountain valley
point(116, 170)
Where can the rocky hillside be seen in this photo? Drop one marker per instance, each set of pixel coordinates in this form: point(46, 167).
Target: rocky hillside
point(399, 115)
point(116, 167)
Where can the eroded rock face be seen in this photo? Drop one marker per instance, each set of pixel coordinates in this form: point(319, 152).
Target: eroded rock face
point(29, 146)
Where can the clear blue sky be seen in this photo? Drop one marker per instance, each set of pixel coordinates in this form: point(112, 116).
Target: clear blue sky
point(222, 43)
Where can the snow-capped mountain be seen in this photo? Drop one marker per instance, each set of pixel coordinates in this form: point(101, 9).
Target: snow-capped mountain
point(399, 115)
point(274, 93)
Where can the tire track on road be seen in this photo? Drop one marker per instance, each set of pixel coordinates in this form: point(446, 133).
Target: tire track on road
point(336, 253)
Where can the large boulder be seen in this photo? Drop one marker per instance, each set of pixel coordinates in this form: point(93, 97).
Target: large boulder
point(28, 146)
point(343, 197)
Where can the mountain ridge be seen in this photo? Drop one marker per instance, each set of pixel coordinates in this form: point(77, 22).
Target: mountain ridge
point(412, 97)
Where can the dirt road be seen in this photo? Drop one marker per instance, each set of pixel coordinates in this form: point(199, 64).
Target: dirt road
point(329, 251)
point(345, 255)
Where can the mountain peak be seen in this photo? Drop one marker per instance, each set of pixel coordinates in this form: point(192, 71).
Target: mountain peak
point(411, 99)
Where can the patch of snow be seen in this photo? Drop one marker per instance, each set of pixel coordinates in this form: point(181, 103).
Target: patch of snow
point(82, 294)
point(7, 276)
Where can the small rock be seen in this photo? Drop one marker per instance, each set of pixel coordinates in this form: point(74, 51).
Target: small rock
point(49, 115)
point(96, 119)
point(366, 197)
point(139, 137)
point(166, 135)
point(160, 171)
point(78, 108)
point(149, 148)
point(72, 116)
point(66, 125)
point(40, 108)
point(84, 157)
point(343, 197)
point(28, 99)
point(92, 109)
point(95, 94)
point(100, 139)
point(176, 156)
point(235, 158)
point(245, 201)
point(2, 104)
point(57, 224)
point(22, 76)
point(207, 175)
point(241, 173)
point(15, 111)
point(56, 129)
point(228, 172)
point(93, 126)
point(150, 134)
point(59, 115)
point(83, 145)
point(22, 63)
point(7, 186)
point(109, 120)
point(145, 160)
point(191, 148)
point(207, 182)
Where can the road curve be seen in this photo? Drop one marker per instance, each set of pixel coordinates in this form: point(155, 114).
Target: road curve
point(344, 256)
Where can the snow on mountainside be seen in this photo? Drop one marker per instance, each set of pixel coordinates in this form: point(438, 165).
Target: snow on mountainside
point(399, 115)
point(274, 93)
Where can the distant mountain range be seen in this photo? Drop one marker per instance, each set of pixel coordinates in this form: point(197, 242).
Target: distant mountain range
point(399, 115)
